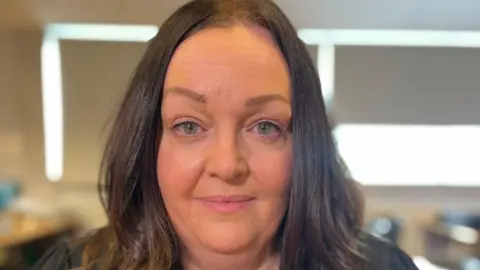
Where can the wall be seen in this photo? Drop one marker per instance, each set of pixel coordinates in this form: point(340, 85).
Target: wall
point(407, 85)
point(95, 78)
point(21, 143)
point(346, 14)
point(10, 133)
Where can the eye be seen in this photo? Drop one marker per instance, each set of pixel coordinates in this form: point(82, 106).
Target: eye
point(187, 128)
point(266, 128)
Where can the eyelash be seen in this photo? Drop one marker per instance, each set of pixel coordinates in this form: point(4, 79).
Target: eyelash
point(178, 126)
point(280, 130)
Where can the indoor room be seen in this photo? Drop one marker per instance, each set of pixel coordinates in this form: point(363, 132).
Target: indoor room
point(400, 81)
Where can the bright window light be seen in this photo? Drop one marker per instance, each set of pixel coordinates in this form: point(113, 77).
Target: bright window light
point(411, 155)
point(424, 264)
point(326, 70)
point(102, 32)
point(410, 38)
point(52, 100)
point(52, 91)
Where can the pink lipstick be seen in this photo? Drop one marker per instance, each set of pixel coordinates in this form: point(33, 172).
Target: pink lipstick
point(226, 204)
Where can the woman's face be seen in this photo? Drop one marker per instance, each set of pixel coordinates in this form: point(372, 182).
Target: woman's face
point(225, 155)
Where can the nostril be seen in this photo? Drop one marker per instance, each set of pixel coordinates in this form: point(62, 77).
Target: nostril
point(235, 171)
point(226, 159)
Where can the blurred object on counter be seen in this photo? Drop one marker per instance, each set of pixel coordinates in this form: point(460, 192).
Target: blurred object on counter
point(385, 227)
point(29, 226)
point(466, 219)
point(20, 228)
point(8, 191)
point(424, 264)
point(453, 240)
point(29, 236)
point(471, 264)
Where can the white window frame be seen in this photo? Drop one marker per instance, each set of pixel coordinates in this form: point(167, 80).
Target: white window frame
point(326, 41)
point(51, 71)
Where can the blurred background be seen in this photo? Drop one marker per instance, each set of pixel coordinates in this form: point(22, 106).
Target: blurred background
point(406, 105)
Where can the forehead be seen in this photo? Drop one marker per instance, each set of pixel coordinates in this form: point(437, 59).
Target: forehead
point(236, 61)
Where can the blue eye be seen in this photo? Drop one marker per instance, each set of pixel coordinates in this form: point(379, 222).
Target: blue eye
point(188, 128)
point(266, 128)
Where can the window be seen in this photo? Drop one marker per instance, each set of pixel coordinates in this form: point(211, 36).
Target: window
point(411, 155)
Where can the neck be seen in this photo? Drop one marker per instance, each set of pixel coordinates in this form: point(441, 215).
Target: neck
point(260, 259)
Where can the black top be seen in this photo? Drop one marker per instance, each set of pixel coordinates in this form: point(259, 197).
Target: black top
point(382, 256)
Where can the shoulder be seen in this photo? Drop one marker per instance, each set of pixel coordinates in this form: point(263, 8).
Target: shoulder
point(383, 255)
point(63, 256)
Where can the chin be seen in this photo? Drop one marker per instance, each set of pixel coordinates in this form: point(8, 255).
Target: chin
point(226, 248)
point(229, 240)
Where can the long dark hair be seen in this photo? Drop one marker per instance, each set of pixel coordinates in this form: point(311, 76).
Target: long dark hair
point(321, 226)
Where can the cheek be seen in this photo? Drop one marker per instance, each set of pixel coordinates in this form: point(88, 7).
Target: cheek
point(272, 171)
point(178, 170)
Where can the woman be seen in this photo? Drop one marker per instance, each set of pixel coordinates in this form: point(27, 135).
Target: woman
point(222, 157)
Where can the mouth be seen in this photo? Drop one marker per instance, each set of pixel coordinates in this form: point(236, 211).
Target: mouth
point(227, 204)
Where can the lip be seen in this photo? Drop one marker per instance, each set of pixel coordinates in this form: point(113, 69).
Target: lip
point(226, 204)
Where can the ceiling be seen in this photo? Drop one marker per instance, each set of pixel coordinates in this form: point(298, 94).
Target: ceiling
point(385, 14)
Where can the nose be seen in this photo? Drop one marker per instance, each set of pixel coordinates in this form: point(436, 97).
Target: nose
point(227, 161)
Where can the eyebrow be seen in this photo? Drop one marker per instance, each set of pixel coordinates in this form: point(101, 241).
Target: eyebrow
point(261, 100)
point(187, 93)
point(251, 102)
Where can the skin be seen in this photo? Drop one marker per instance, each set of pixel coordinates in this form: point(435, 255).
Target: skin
point(226, 114)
